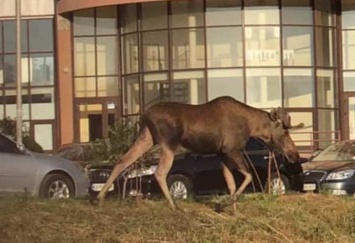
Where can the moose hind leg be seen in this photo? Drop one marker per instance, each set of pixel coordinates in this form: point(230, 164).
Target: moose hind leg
point(165, 163)
point(143, 143)
point(228, 176)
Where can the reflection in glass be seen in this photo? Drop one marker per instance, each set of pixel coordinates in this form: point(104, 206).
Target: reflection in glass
point(188, 48)
point(325, 13)
point(156, 89)
point(10, 101)
point(297, 12)
point(298, 46)
point(262, 46)
point(351, 121)
point(325, 47)
point(85, 87)
point(84, 56)
point(10, 36)
point(1, 74)
point(128, 17)
point(154, 15)
point(326, 127)
point(348, 49)
point(106, 20)
point(9, 69)
point(155, 51)
point(226, 82)
point(131, 95)
point(130, 53)
point(42, 106)
point(302, 136)
point(41, 69)
point(43, 134)
point(349, 81)
point(348, 17)
point(298, 88)
point(41, 35)
point(107, 59)
point(187, 13)
point(325, 89)
point(189, 87)
point(0, 46)
point(107, 86)
point(261, 12)
point(226, 12)
point(84, 22)
point(224, 47)
point(263, 87)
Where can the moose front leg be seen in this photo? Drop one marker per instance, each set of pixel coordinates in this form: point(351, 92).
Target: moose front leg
point(165, 163)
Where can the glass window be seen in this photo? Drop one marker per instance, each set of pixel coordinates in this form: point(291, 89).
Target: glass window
point(326, 127)
point(44, 135)
point(0, 39)
point(263, 87)
point(226, 12)
point(7, 8)
point(349, 49)
point(189, 87)
point(325, 47)
point(1, 72)
point(156, 89)
point(10, 36)
point(8, 146)
point(84, 56)
point(224, 47)
point(302, 136)
point(107, 86)
point(298, 88)
point(349, 81)
point(106, 19)
point(324, 13)
point(188, 48)
point(10, 69)
point(325, 89)
point(85, 87)
point(154, 15)
point(155, 51)
point(297, 12)
point(41, 35)
point(10, 101)
point(131, 95)
point(128, 17)
point(261, 12)
point(41, 69)
point(297, 46)
point(107, 55)
point(262, 46)
point(187, 13)
point(228, 82)
point(42, 103)
point(130, 53)
point(84, 22)
point(348, 17)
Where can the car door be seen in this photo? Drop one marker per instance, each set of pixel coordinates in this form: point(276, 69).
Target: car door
point(17, 168)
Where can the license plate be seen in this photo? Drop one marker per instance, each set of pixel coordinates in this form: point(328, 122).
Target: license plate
point(98, 186)
point(309, 187)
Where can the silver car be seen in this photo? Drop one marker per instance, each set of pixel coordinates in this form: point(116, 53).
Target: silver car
point(39, 174)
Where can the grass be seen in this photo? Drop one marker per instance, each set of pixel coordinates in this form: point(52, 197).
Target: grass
point(259, 218)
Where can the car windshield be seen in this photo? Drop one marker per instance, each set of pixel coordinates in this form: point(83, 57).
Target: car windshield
point(341, 151)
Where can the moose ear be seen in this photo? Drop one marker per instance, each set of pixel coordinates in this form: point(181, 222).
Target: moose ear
point(274, 114)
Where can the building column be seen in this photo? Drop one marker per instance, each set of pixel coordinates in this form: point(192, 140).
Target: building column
point(65, 103)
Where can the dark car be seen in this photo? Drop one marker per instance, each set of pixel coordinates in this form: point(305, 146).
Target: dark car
point(332, 170)
point(193, 174)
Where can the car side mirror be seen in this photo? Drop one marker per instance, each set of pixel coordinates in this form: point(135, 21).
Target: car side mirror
point(22, 148)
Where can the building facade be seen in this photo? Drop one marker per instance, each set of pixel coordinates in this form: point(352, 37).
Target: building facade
point(88, 63)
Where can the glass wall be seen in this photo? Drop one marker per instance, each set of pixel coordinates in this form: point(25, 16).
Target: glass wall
point(264, 53)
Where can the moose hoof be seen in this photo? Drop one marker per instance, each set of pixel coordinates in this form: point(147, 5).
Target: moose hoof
point(94, 201)
point(218, 208)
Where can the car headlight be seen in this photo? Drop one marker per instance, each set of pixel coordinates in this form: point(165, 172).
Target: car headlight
point(340, 175)
point(144, 171)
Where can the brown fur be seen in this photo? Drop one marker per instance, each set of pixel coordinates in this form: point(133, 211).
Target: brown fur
point(222, 125)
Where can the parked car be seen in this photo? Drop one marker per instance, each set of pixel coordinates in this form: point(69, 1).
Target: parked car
point(332, 170)
point(39, 174)
point(193, 174)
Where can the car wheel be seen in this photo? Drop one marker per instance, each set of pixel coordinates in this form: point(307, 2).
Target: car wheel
point(278, 185)
point(57, 186)
point(180, 186)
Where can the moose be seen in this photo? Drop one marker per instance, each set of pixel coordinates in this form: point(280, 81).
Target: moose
point(220, 126)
